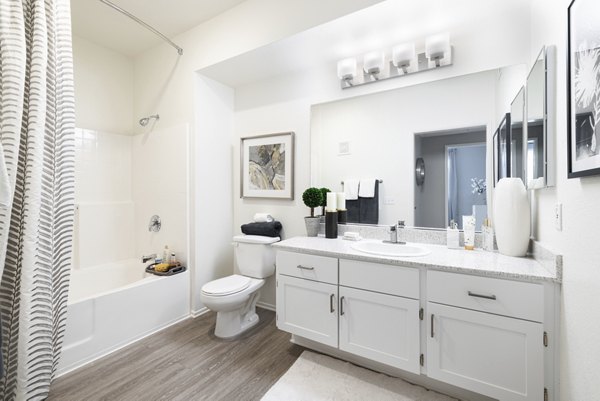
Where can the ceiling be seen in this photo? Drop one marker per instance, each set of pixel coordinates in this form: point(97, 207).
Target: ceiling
point(100, 24)
point(377, 27)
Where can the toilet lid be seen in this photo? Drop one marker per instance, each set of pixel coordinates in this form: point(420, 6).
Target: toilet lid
point(226, 285)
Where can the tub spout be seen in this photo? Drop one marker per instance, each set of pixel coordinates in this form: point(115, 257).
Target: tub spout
point(146, 258)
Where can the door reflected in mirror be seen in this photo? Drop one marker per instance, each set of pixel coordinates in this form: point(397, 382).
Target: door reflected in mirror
point(456, 179)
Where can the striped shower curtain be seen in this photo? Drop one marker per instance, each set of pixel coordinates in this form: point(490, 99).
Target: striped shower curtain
point(36, 190)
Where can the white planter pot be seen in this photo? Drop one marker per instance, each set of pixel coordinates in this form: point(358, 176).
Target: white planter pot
point(512, 217)
point(312, 226)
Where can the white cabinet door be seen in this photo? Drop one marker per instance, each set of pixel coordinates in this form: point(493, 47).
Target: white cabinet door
point(380, 327)
point(493, 355)
point(308, 308)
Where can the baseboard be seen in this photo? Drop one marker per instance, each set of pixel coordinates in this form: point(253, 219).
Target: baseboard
point(200, 312)
point(95, 357)
point(266, 306)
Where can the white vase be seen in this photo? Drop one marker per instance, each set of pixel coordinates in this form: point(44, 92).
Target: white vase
point(512, 217)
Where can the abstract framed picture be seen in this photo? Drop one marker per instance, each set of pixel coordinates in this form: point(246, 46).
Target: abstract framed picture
point(267, 166)
point(583, 64)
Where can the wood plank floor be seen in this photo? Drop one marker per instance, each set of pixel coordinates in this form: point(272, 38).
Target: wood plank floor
point(186, 362)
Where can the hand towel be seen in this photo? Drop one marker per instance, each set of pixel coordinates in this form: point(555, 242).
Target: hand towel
point(351, 189)
point(263, 218)
point(271, 229)
point(5, 192)
point(369, 207)
point(366, 188)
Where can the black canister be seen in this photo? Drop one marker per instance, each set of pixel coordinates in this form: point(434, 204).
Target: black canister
point(331, 222)
point(342, 216)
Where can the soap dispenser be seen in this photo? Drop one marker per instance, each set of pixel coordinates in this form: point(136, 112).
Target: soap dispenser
point(453, 235)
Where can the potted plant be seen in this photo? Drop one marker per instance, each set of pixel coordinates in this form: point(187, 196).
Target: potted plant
point(324, 200)
point(312, 198)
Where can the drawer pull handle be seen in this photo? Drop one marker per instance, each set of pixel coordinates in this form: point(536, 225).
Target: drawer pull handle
point(331, 308)
point(432, 316)
point(305, 267)
point(472, 294)
point(342, 306)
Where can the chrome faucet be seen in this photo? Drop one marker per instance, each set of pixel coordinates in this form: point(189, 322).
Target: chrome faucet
point(146, 258)
point(394, 230)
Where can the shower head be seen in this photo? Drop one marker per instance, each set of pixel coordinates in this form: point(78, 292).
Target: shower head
point(144, 121)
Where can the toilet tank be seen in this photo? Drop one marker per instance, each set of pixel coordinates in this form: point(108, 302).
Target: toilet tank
point(255, 256)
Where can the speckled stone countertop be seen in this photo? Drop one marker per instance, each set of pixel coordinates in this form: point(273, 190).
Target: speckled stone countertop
point(477, 262)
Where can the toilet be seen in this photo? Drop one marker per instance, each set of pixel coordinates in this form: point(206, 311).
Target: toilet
point(234, 297)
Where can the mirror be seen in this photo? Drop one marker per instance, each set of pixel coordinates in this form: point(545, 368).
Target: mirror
point(382, 135)
point(517, 112)
point(502, 149)
point(540, 143)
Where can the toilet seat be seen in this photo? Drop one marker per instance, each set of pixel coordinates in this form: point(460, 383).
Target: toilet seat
point(226, 286)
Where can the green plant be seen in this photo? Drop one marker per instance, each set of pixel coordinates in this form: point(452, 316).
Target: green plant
point(324, 200)
point(312, 198)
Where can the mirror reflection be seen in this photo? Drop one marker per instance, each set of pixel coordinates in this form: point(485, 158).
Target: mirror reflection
point(516, 133)
point(381, 136)
point(536, 98)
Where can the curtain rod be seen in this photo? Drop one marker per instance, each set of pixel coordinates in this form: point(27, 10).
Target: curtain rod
point(142, 23)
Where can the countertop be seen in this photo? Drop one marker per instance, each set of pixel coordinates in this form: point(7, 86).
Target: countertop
point(477, 262)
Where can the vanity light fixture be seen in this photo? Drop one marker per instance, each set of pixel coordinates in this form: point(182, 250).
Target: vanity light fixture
point(373, 63)
point(437, 49)
point(404, 60)
point(404, 56)
point(346, 70)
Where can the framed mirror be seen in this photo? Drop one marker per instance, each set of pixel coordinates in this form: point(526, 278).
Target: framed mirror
point(517, 114)
point(539, 130)
point(502, 149)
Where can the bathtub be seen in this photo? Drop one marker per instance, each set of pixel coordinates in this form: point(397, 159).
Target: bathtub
point(113, 305)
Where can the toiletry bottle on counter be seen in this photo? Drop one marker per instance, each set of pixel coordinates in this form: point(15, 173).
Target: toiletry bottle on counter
point(453, 236)
point(488, 236)
point(172, 259)
point(166, 254)
point(469, 232)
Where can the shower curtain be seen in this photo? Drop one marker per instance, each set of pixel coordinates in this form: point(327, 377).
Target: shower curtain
point(36, 199)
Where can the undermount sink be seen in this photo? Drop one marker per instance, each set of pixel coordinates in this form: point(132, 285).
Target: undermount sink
point(388, 249)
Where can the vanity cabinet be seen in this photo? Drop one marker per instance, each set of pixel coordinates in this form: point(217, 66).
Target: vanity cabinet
point(307, 296)
point(308, 308)
point(361, 313)
point(486, 335)
point(482, 334)
point(380, 327)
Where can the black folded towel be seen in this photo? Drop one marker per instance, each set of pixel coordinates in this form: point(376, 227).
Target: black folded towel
point(271, 229)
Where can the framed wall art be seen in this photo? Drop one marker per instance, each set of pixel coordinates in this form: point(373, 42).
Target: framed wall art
point(267, 166)
point(583, 64)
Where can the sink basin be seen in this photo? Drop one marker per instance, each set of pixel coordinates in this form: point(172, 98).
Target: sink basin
point(388, 249)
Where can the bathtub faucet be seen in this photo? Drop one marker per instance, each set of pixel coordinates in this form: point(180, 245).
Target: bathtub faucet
point(146, 258)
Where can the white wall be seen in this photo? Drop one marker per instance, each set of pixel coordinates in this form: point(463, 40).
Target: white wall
point(381, 131)
point(578, 242)
point(212, 188)
point(104, 217)
point(103, 88)
point(159, 172)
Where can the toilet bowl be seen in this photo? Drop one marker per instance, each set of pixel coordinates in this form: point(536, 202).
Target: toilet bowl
point(234, 297)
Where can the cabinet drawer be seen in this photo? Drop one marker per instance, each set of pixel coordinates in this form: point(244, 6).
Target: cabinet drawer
point(387, 279)
point(503, 297)
point(312, 267)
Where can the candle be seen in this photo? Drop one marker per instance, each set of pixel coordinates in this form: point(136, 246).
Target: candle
point(341, 201)
point(331, 202)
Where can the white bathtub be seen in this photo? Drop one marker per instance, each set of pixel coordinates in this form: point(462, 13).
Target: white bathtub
point(113, 305)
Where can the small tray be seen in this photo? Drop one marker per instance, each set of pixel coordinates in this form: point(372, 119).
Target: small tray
point(172, 270)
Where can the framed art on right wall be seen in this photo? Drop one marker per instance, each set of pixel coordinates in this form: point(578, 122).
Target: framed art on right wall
point(583, 90)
